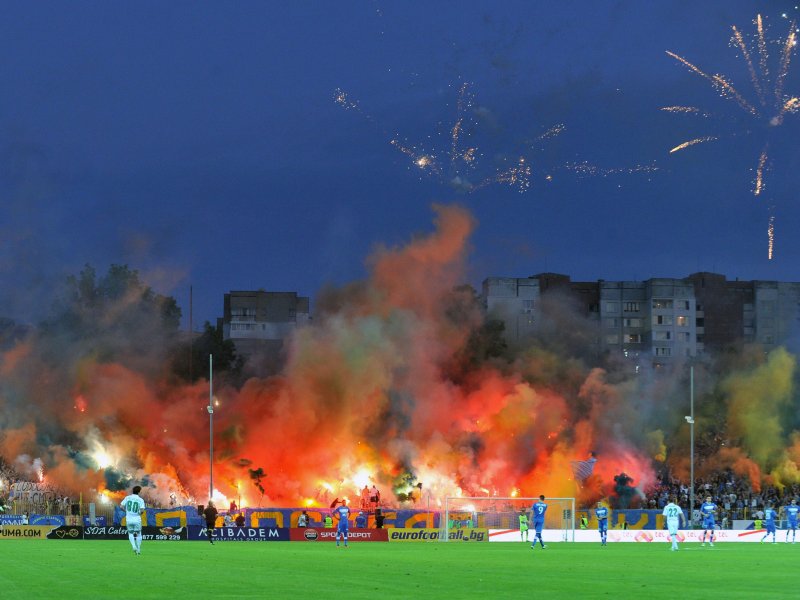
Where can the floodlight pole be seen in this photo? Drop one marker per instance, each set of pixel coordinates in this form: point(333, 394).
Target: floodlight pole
point(210, 409)
point(691, 450)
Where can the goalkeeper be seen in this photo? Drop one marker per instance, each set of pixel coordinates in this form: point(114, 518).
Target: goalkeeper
point(523, 526)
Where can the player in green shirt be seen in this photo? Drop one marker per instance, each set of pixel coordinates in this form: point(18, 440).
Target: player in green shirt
point(523, 526)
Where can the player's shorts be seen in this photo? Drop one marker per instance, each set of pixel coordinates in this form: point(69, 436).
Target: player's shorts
point(523, 528)
point(538, 525)
point(602, 525)
point(341, 529)
point(672, 526)
point(133, 525)
point(709, 524)
point(770, 526)
point(792, 524)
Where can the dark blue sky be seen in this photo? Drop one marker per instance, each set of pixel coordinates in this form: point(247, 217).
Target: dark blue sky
point(199, 142)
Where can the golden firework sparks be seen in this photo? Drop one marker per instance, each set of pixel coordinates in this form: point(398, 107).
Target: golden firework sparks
point(773, 104)
point(740, 43)
point(689, 110)
point(759, 182)
point(694, 142)
point(771, 237)
point(722, 85)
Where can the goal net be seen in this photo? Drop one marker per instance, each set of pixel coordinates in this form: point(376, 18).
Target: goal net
point(503, 513)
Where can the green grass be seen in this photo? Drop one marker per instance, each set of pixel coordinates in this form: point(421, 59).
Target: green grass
point(377, 571)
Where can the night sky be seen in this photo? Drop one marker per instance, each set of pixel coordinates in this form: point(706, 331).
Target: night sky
point(200, 142)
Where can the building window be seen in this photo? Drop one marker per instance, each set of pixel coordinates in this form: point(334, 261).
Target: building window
point(612, 322)
point(662, 303)
point(612, 339)
point(662, 351)
point(684, 336)
point(662, 319)
point(612, 307)
point(662, 335)
point(527, 307)
point(633, 322)
point(633, 338)
point(682, 321)
point(631, 307)
point(700, 322)
point(687, 305)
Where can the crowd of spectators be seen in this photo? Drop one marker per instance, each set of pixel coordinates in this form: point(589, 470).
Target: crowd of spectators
point(735, 496)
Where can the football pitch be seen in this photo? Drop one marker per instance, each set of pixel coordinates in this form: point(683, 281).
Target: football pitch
point(82, 569)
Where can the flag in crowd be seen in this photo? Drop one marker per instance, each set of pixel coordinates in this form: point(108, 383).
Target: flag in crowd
point(583, 469)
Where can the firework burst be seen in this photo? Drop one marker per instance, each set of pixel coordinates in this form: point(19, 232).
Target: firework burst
point(453, 157)
point(455, 162)
point(773, 103)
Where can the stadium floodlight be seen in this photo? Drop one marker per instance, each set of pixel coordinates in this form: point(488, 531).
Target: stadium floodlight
point(484, 512)
point(210, 409)
point(690, 420)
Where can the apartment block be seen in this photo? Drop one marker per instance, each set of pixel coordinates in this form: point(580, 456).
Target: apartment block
point(660, 318)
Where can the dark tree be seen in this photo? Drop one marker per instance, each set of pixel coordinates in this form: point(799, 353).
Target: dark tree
point(116, 317)
point(210, 342)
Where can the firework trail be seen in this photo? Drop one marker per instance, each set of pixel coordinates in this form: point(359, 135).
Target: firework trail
point(694, 142)
point(773, 104)
point(771, 236)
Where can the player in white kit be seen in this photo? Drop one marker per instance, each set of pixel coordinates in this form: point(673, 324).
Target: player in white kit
point(675, 517)
point(133, 505)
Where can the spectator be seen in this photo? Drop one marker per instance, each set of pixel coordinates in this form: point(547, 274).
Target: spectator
point(210, 514)
point(240, 520)
point(375, 497)
point(365, 497)
point(25, 518)
point(233, 507)
point(302, 520)
point(361, 520)
point(379, 519)
point(227, 521)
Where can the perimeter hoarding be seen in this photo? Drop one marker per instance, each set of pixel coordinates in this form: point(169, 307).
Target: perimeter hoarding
point(66, 532)
point(420, 534)
point(641, 536)
point(167, 534)
point(24, 532)
point(240, 534)
point(315, 534)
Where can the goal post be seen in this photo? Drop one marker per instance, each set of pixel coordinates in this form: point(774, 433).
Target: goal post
point(503, 513)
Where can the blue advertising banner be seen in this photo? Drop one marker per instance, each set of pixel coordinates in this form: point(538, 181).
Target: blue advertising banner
point(55, 520)
point(179, 516)
point(11, 520)
point(241, 534)
point(631, 518)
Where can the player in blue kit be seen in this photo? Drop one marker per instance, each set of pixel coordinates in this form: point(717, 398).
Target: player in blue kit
point(770, 514)
point(708, 510)
point(791, 516)
point(538, 510)
point(601, 512)
point(342, 515)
